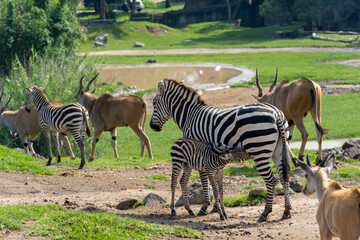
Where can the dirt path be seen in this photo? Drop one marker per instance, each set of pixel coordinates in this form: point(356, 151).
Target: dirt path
point(221, 50)
point(105, 189)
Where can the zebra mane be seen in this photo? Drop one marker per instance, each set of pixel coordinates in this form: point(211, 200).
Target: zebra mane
point(191, 90)
point(41, 91)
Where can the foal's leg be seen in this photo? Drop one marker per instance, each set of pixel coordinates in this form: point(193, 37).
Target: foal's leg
point(205, 187)
point(183, 182)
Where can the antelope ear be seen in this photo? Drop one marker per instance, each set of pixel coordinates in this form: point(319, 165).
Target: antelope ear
point(92, 92)
point(330, 163)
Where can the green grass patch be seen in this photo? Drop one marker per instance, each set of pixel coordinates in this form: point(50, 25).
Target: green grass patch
point(158, 177)
point(17, 161)
point(348, 173)
point(219, 34)
point(150, 186)
point(244, 200)
point(56, 222)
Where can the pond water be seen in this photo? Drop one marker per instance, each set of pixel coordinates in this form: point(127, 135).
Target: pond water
point(198, 76)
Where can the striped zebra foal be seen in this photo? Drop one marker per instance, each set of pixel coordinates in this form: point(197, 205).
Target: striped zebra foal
point(259, 129)
point(55, 118)
point(191, 154)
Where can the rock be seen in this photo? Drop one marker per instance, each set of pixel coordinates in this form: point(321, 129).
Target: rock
point(154, 200)
point(280, 191)
point(299, 171)
point(129, 203)
point(91, 209)
point(348, 144)
point(101, 40)
point(138, 44)
point(295, 184)
point(255, 182)
point(196, 195)
point(257, 191)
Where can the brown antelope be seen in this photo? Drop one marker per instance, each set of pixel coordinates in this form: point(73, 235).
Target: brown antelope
point(296, 99)
point(108, 112)
point(338, 213)
point(27, 127)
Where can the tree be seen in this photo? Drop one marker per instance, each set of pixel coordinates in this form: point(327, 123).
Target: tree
point(102, 9)
point(167, 4)
point(36, 25)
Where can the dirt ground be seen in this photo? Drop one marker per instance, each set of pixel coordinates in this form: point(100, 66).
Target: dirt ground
point(106, 188)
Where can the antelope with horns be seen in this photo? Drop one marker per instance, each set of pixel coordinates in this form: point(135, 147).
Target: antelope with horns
point(296, 99)
point(108, 112)
point(338, 213)
point(26, 125)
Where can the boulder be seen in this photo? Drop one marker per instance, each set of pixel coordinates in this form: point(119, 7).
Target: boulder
point(101, 40)
point(154, 200)
point(257, 191)
point(91, 209)
point(196, 195)
point(138, 44)
point(129, 203)
point(295, 184)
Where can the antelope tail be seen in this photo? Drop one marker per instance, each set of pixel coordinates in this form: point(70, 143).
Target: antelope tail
point(316, 111)
point(143, 116)
point(86, 122)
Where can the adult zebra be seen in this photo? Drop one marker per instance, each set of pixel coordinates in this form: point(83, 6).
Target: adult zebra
point(54, 118)
point(259, 129)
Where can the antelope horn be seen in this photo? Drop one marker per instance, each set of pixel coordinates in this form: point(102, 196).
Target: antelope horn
point(305, 167)
point(88, 86)
point(81, 83)
point(308, 160)
point(322, 163)
point(258, 84)
point(274, 83)
point(6, 104)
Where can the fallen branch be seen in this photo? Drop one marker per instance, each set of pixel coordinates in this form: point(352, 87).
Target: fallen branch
point(316, 37)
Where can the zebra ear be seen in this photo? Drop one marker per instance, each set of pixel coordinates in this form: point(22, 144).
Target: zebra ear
point(161, 88)
point(42, 88)
point(28, 89)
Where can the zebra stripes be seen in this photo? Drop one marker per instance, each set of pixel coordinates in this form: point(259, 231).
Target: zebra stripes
point(71, 117)
point(191, 154)
point(259, 129)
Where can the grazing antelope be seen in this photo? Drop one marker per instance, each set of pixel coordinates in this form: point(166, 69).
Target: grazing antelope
point(108, 112)
point(296, 99)
point(56, 118)
point(338, 213)
point(259, 129)
point(191, 154)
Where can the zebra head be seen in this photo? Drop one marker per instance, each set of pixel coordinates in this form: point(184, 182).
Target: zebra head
point(31, 96)
point(161, 112)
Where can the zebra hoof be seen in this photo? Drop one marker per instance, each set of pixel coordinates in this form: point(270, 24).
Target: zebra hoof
point(214, 210)
point(201, 213)
point(48, 163)
point(191, 213)
point(262, 218)
point(173, 213)
point(286, 215)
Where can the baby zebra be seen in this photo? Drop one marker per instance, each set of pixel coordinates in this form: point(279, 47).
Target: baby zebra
point(191, 154)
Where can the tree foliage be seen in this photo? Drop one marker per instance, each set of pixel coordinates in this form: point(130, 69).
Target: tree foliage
point(36, 25)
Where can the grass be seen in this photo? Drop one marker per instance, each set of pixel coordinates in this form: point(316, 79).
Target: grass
point(244, 200)
point(158, 177)
point(56, 222)
point(150, 186)
point(219, 34)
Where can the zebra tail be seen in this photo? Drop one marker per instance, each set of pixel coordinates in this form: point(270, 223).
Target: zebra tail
point(282, 126)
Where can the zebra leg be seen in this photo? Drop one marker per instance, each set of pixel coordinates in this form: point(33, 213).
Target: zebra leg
point(213, 181)
point(113, 133)
point(174, 177)
point(48, 142)
point(58, 148)
point(205, 187)
point(80, 140)
point(183, 183)
point(264, 169)
point(220, 175)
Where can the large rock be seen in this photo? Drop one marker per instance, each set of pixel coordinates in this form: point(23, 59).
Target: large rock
point(295, 184)
point(196, 195)
point(101, 40)
point(129, 203)
point(91, 209)
point(154, 200)
point(257, 191)
point(138, 44)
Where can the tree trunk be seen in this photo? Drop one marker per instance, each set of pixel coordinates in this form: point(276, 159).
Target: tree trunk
point(167, 5)
point(102, 9)
point(228, 9)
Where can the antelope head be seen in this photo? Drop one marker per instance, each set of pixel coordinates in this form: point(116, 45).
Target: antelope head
point(316, 177)
point(267, 96)
point(81, 92)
